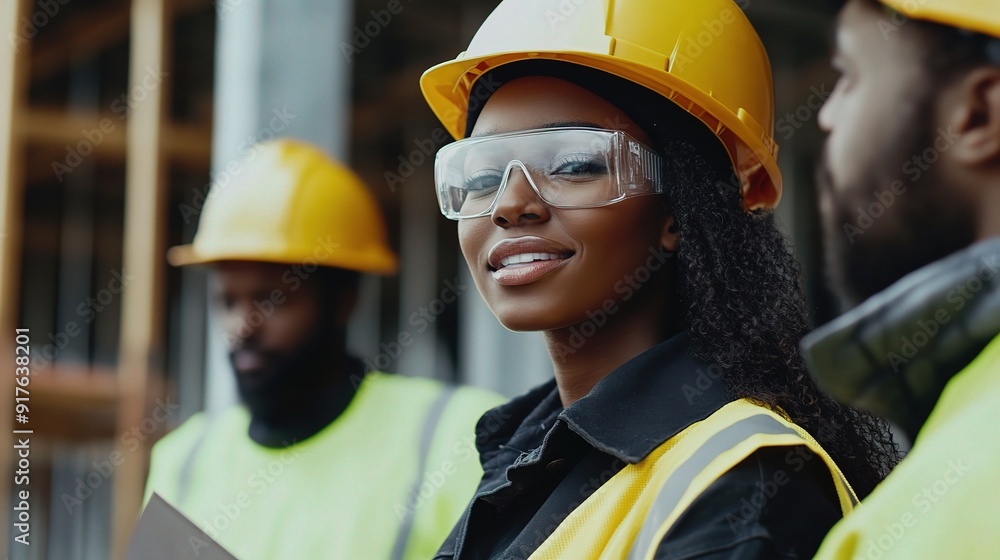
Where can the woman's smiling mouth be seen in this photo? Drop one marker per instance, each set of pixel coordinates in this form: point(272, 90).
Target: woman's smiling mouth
point(523, 260)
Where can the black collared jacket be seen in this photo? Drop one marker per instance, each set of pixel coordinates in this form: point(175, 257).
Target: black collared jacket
point(541, 461)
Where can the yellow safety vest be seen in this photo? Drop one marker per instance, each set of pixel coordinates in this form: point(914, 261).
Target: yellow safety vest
point(943, 501)
point(629, 515)
point(387, 479)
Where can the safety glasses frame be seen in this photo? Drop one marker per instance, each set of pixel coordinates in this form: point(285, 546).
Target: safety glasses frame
point(637, 170)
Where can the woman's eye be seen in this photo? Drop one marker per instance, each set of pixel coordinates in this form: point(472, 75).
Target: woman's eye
point(579, 166)
point(483, 183)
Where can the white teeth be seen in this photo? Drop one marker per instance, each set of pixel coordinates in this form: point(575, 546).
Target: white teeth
point(527, 258)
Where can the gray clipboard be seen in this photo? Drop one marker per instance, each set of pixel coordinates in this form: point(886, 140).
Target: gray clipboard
point(163, 533)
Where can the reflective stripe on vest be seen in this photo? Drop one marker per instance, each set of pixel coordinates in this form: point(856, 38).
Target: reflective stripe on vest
point(433, 418)
point(677, 484)
point(185, 476)
point(629, 515)
point(426, 439)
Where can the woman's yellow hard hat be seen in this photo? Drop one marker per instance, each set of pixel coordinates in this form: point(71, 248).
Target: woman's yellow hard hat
point(290, 203)
point(703, 55)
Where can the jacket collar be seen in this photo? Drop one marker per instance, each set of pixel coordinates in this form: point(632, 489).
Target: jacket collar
point(894, 354)
point(629, 413)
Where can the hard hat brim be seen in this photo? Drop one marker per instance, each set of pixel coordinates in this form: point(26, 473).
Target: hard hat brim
point(382, 264)
point(184, 255)
point(443, 91)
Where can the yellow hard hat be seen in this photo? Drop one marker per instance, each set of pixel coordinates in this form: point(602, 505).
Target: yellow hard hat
point(703, 55)
point(982, 16)
point(289, 203)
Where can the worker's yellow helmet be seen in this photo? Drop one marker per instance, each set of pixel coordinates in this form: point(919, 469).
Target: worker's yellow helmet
point(702, 54)
point(289, 203)
point(982, 16)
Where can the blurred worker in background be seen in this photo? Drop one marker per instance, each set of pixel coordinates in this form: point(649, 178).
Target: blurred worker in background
point(911, 204)
point(320, 460)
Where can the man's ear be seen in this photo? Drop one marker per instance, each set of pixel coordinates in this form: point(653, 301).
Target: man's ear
point(671, 234)
point(975, 117)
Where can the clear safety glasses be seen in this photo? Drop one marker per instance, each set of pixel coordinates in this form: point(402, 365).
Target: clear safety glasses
point(566, 167)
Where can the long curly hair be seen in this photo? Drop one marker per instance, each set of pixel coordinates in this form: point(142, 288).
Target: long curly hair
point(736, 279)
point(741, 299)
point(743, 307)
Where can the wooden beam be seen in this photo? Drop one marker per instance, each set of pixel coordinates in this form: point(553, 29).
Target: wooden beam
point(75, 404)
point(80, 403)
point(13, 95)
point(189, 145)
point(141, 339)
point(57, 127)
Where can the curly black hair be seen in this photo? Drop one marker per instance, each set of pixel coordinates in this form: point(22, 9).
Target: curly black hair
point(737, 281)
point(741, 299)
point(743, 307)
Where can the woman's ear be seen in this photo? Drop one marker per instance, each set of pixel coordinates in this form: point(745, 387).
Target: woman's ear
point(671, 234)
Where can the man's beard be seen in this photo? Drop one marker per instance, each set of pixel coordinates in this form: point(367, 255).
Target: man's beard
point(924, 224)
point(293, 377)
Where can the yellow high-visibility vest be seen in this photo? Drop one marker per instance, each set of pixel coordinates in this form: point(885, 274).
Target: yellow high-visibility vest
point(629, 515)
point(943, 500)
point(388, 479)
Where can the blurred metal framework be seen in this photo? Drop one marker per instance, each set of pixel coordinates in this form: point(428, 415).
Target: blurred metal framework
point(148, 140)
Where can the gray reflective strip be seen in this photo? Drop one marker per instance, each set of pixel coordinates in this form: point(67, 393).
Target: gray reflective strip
point(185, 476)
point(426, 439)
point(678, 482)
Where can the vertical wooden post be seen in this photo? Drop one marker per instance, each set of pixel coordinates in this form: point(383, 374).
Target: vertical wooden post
point(141, 338)
point(14, 50)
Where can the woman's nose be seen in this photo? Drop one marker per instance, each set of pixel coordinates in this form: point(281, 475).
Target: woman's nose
point(519, 204)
